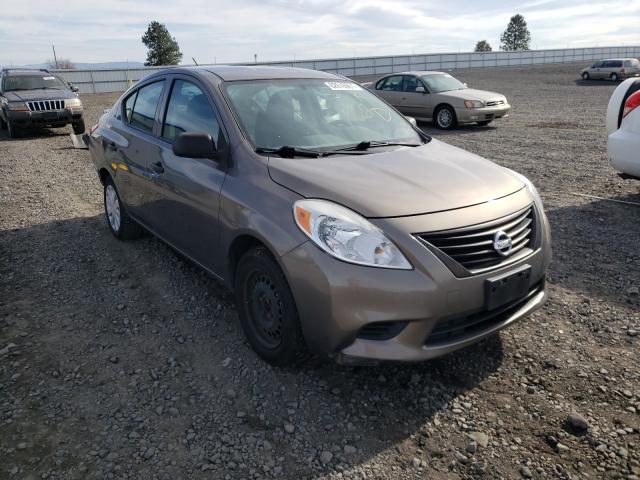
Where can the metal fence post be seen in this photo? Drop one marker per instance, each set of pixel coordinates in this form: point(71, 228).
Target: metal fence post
point(93, 83)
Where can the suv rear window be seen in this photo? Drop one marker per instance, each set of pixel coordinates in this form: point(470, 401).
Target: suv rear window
point(140, 107)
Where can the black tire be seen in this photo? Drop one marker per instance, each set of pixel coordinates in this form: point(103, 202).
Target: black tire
point(485, 123)
point(126, 228)
point(14, 132)
point(443, 113)
point(585, 76)
point(78, 127)
point(3, 124)
point(613, 77)
point(267, 310)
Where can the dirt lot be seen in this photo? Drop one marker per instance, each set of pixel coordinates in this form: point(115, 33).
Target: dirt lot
point(122, 360)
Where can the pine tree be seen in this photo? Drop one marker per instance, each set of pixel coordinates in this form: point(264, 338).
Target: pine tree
point(162, 47)
point(516, 36)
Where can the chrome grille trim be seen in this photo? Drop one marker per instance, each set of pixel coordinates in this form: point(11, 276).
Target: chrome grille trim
point(493, 103)
point(472, 247)
point(45, 105)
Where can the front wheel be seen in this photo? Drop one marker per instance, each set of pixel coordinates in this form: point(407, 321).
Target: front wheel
point(585, 76)
point(13, 130)
point(267, 310)
point(120, 223)
point(78, 127)
point(614, 77)
point(445, 118)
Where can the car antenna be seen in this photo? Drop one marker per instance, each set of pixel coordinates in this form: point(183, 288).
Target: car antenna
point(194, 61)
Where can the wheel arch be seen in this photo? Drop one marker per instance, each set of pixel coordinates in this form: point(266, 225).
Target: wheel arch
point(103, 174)
point(240, 245)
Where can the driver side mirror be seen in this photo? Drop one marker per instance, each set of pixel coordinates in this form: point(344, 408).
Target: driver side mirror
point(420, 89)
point(74, 88)
point(194, 145)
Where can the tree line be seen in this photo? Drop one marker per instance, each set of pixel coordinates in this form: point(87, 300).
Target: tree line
point(515, 37)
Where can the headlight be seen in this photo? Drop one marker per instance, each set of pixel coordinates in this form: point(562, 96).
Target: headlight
point(18, 107)
point(73, 103)
point(346, 235)
point(473, 104)
point(530, 186)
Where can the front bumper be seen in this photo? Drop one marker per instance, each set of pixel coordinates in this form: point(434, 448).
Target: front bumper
point(44, 118)
point(622, 148)
point(485, 114)
point(335, 299)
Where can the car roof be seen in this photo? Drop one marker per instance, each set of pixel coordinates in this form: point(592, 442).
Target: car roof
point(422, 73)
point(24, 71)
point(616, 59)
point(257, 72)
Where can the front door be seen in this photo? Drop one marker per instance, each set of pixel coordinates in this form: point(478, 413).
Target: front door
point(416, 104)
point(185, 196)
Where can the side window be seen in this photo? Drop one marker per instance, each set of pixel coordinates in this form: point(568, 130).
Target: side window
point(598, 65)
point(128, 105)
point(392, 84)
point(145, 105)
point(616, 64)
point(189, 110)
point(410, 83)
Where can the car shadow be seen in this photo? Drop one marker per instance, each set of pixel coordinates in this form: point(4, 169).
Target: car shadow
point(154, 311)
point(430, 129)
point(34, 133)
point(596, 83)
point(594, 247)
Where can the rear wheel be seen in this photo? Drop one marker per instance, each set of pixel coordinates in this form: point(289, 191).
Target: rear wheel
point(485, 123)
point(585, 76)
point(445, 117)
point(120, 223)
point(79, 127)
point(614, 77)
point(267, 310)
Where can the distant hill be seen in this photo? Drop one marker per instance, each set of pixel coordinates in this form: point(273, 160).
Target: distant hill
point(87, 66)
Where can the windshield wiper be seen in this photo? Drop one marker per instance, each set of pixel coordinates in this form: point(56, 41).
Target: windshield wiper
point(289, 152)
point(366, 145)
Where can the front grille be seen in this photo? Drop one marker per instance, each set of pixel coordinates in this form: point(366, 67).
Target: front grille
point(453, 329)
point(494, 103)
point(381, 330)
point(473, 247)
point(46, 105)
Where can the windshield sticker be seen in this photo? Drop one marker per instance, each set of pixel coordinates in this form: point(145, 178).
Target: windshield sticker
point(48, 78)
point(342, 86)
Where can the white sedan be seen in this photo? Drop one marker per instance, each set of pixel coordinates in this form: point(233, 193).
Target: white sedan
point(623, 129)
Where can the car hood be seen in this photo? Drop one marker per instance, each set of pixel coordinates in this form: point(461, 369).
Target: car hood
point(407, 181)
point(473, 94)
point(26, 95)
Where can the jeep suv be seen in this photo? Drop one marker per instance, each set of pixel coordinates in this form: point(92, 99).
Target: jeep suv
point(37, 98)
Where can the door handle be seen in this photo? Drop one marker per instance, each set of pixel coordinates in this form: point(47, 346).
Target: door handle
point(157, 167)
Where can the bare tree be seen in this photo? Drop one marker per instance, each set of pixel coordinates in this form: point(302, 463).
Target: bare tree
point(62, 64)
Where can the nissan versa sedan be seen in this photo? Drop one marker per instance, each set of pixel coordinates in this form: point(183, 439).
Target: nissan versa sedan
point(343, 229)
point(441, 98)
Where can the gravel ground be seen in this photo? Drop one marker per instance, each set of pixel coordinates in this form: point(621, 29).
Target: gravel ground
point(123, 360)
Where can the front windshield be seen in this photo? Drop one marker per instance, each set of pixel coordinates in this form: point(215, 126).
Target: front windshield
point(314, 114)
point(33, 82)
point(442, 82)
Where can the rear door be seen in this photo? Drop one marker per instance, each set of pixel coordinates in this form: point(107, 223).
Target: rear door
point(390, 89)
point(185, 194)
point(130, 143)
point(596, 70)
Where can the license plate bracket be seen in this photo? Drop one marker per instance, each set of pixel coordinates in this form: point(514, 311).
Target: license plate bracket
point(507, 288)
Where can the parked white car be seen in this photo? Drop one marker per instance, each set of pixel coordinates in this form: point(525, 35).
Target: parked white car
point(623, 129)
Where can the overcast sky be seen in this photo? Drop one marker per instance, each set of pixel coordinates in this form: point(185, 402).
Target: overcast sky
point(232, 31)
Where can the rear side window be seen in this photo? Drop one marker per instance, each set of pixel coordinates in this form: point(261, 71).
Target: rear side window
point(189, 110)
point(143, 108)
point(613, 64)
point(393, 84)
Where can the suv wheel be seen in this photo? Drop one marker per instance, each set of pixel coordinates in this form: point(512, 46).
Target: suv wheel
point(120, 223)
point(445, 118)
point(585, 76)
point(13, 130)
point(614, 77)
point(3, 124)
point(78, 127)
point(267, 310)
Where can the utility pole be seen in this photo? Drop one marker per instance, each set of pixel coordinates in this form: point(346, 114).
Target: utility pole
point(55, 59)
